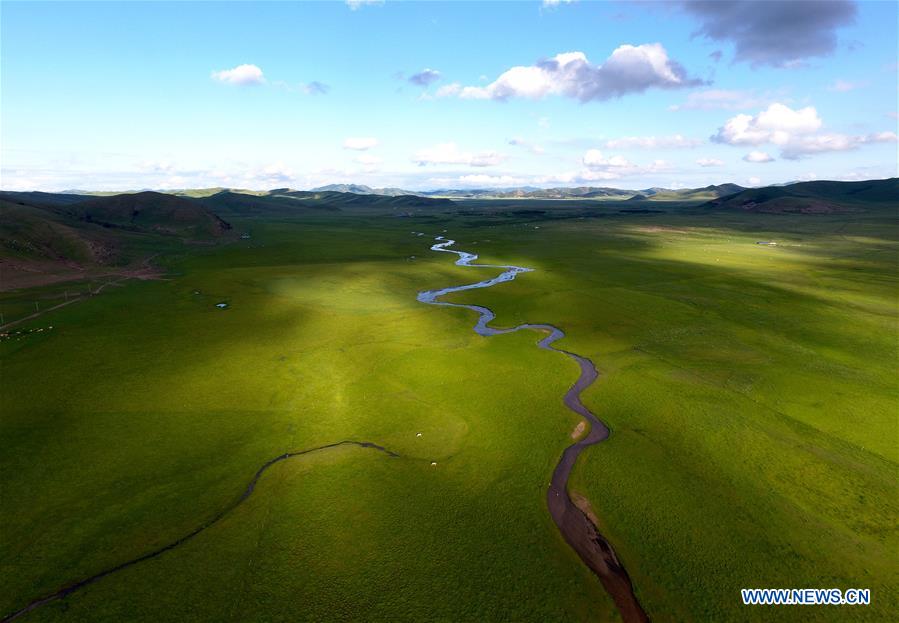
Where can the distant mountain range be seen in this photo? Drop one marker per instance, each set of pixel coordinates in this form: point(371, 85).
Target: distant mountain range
point(47, 237)
point(531, 192)
point(333, 196)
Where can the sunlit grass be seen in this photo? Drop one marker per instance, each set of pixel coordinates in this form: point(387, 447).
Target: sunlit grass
point(751, 393)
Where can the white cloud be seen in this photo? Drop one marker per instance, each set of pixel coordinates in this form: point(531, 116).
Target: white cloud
point(709, 162)
point(242, 75)
point(449, 153)
point(355, 4)
point(629, 69)
point(360, 143)
point(653, 142)
point(809, 145)
point(796, 132)
point(594, 159)
point(777, 124)
point(597, 166)
point(449, 90)
point(758, 156)
point(754, 181)
point(552, 4)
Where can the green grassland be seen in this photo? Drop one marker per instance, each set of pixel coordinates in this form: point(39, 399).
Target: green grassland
point(751, 393)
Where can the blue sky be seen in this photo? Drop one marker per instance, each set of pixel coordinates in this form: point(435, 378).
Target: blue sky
point(120, 96)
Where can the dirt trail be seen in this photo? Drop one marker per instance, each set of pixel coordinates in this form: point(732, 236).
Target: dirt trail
point(576, 527)
point(145, 272)
point(248, 491)
point(75, 298)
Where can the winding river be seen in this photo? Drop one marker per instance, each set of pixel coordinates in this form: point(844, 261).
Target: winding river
point(68, 589)
point(576, 527)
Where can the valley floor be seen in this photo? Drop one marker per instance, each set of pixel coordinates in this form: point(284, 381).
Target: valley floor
point(750, 390)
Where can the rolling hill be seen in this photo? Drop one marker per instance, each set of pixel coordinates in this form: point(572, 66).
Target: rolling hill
point(47, 237)
point(813, 197)
point(151, 212)
point(285, 201)
point(688, 194)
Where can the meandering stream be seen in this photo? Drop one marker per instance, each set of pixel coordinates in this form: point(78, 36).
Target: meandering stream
point(577, 529)
point(68, 589)
point(575, 526)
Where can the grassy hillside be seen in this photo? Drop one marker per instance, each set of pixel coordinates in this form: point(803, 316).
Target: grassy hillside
point(286, 202)
point(27, 232)
point(50, 238)
point(35, 198)
point(814, 197)
point(689, 194)
point(341, 200)
point(151, 211)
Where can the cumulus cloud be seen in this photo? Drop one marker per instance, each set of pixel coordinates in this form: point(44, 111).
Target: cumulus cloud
point(552, 4)
point(780, 33)
point(719, 99)
point(754, 181)
point(594, 159)
point(795, 132)
point(629, 69)
point(758, 156)
point(449, 153)
point(425, 77)
point(778, 124)
point(597, 166)
point(531, 147)
point(709, 162)
point(675, 141)
point(242, 75)
point(360, 143)
point(809, 145)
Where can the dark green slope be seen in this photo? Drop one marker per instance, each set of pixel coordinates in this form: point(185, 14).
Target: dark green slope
point(31, 233)
point(814, 197)
point(151, 212)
